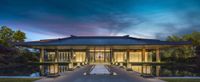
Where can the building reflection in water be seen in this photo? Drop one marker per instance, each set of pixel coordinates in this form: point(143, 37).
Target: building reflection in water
point(53, 69)
point(147, 69)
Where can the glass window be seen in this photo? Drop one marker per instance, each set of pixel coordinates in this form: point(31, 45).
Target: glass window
point(119, 56)
point(53, 69)
point(149, 56)
point(63, 56)
point(80, 56)
point(51, 56)
point(135, 56)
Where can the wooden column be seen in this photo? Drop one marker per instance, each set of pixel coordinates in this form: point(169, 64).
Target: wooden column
point(111, 56)
point(127, 56)
point(157, 70)
point(142, 66)
point(157, 55)
point(67, 56)
point(41, 60)
point(72, 55)
point(56, 55)
point(146, 56)
point(128, 59)
point(105, 55)
point(94, 54)
point(88, 56)
point(71, 66)
point(124, 57)
point(41, 55)
point(143, 59)
point(143, 54)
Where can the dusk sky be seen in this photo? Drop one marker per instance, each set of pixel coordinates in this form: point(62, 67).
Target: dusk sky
point(44, 19)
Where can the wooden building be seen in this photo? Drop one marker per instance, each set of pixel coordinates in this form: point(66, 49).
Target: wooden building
point(67, 53)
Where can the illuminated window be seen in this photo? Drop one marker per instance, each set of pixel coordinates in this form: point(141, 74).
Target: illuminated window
point(63, 56)
point(53, 69)
point(80, 56)
point(119, 56)
point(135, 56)
point(149, 59)
point(51, 56)
point(147, 69)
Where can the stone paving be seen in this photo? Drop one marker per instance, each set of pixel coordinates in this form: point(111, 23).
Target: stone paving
point(99, 69)
point(77, 76)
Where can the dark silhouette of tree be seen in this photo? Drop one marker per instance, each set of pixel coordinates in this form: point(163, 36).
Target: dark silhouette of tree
point(186, 54)
point(10, 55)
point(19, 36)
point(6, 36)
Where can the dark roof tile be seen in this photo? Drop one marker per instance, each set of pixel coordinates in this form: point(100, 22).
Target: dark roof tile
point(101, 40)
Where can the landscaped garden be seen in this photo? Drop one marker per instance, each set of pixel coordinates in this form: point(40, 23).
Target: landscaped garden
point(18, 79)
point(181, 80)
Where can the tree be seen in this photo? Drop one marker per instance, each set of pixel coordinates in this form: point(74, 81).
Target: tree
point(194, 37)
point(173, 38)
point(19, 36)
point(6, 35)
point(176, 54)
point(185, 54)
point(11, 55)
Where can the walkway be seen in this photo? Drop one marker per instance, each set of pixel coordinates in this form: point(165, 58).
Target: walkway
point(77, 76)
point(99, 69)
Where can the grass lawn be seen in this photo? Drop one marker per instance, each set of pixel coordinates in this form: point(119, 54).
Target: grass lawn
point(181, 80)
point(18, 79)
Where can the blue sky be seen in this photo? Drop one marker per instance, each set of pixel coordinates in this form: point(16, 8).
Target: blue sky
point(43, 19)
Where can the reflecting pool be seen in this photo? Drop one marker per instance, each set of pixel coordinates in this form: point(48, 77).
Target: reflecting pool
point(154, 70)
point(166, 70)
point(21, 70)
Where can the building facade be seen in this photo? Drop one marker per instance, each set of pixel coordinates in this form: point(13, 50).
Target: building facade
point(59, 55)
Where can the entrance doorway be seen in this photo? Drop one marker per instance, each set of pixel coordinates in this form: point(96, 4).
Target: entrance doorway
point(99, 56)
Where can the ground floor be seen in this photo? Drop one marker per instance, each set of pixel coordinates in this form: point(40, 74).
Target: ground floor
point(55, 61)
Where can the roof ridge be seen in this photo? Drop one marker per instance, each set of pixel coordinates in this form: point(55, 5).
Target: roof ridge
point(98, 36)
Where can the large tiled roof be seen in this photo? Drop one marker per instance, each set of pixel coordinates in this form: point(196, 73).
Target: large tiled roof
point(100, 40)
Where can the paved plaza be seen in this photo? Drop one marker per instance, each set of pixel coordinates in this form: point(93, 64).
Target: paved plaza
point(78, 76)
